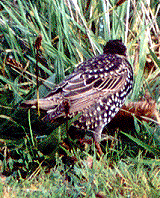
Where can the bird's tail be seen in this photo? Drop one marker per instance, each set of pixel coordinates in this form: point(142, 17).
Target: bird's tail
point(43, 104)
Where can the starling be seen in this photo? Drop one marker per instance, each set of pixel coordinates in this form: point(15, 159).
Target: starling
point(97, 89)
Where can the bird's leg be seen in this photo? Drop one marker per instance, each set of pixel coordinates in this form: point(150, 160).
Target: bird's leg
point(97, 138)
point(98, 148)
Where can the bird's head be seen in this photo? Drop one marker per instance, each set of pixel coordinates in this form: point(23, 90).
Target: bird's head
point(115, 47)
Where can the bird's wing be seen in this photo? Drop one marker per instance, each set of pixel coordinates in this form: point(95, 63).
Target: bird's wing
point(96, 78)
point(88, 84)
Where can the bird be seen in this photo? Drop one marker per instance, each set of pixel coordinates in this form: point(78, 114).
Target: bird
point(96, 89)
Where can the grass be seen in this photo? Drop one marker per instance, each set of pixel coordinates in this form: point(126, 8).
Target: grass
point(122, 179)
point(36, 158)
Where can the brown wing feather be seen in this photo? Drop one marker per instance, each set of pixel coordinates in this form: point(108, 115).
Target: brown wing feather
point(85, 97)
point(95, 78)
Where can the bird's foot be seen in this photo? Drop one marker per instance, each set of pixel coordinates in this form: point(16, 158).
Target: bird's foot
point(108, 137)
point(98, 147)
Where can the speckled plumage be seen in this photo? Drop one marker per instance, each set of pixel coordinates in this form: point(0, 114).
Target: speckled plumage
point(97, 89)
